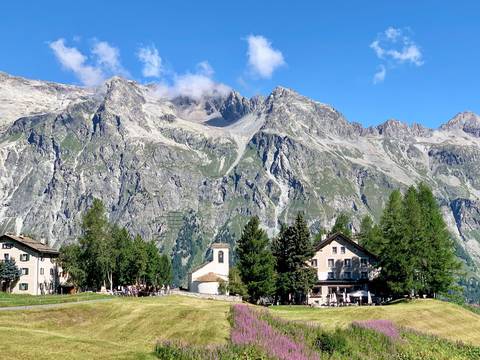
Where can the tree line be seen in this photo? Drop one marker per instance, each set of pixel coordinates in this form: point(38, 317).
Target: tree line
point(415, 251)
point(107, 255)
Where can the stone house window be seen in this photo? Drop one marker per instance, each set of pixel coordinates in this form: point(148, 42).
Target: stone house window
point(24, 257)
point(342, 250)
point(23, 286)
point(334, 250)
point(314, 262)
point(24, 271)
point(331, 263)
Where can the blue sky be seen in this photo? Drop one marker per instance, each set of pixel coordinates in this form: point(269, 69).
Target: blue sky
point(429, 54)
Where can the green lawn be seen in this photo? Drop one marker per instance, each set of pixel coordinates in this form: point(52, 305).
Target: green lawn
point(7, 300)
point(434, 317)
point(123, 328)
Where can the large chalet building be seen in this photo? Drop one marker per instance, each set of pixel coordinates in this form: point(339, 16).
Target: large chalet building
point(343, 267)
point(37, 262)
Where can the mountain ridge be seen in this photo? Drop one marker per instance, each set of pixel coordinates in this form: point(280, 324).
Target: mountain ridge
point(186, 172)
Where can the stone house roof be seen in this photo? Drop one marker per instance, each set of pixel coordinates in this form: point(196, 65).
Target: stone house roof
point(33, 244)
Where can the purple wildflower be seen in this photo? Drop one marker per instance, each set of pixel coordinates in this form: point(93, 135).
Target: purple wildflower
point(385, 327)
point(249, 328)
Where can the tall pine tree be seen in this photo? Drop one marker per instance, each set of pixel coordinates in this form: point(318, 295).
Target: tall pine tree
point(438, 264)
point(392, 257)
point(255, 261)
point(293, 249)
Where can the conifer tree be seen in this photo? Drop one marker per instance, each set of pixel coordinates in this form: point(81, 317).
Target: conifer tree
point(293, 249)
point(9, 273)
point(392, 257)
point(96, 249)
point(370, 236)
point(165, 270)
point(438, 264)
point(342, 225)
point(152, 267)
point(255, 261)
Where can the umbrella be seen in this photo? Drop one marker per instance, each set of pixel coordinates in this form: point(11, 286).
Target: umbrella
point(369, 298)
point(359, 293)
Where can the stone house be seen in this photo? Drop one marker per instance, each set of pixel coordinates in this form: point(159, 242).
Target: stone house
point(37, 262)
point(343, 266)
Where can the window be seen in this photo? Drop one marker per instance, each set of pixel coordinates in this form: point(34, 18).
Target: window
point(330, 263)
point(364, 275)
point(314, 262)
point(7, 246)
point(347, 262)
point(220, 257)
point(23, 286)
point(364, 262)
point(334, 250)
point(331, 275)
point(342, 250)
point(42, 259)
point(51, 271)
point(24, 257)
point(41, 271)
point(24, 271)
point(6, 257)
point(347, 275)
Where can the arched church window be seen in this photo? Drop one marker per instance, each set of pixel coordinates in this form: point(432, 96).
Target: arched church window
point(220, 257)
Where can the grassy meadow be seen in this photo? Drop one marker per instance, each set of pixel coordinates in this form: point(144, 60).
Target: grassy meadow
point(9, 300)
point(129, 328)
point(123, 328)
point(446, 320)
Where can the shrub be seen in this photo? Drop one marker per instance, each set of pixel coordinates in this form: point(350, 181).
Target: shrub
point(385, 327)
point(331, 342)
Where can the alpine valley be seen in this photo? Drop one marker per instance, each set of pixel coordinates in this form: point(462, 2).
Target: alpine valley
point(189, 171)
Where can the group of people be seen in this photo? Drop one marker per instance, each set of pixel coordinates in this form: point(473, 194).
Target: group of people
point(142, 290)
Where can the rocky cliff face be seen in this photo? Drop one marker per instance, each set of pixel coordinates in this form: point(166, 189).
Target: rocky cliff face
point(186, 171)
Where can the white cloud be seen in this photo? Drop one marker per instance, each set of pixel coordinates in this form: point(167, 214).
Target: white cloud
point(395, 47)
point(262, 58)
point(72, 59)
point(108, 57)
point(152, 62)
point(393, 33)
point(193, 85)
point(380, 74)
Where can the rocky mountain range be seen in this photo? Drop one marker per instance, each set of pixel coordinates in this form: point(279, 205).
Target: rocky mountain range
point(187, 172)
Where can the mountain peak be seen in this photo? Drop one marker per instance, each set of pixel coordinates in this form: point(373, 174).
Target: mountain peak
point(467, 121)
point(279, 91)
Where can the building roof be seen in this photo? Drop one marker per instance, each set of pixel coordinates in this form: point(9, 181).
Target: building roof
point(33, 244)
point(220, 246)
point(337, 235)
point(210, 277)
